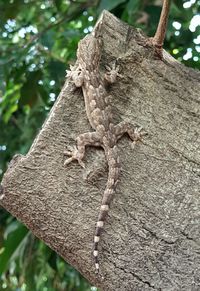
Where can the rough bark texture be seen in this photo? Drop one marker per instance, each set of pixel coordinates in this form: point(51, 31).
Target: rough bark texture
point(152, 235)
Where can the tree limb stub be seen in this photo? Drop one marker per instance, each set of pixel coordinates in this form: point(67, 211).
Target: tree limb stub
point(151, 238)
point(159, 36)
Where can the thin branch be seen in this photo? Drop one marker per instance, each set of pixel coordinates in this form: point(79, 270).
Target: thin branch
point(159, 36)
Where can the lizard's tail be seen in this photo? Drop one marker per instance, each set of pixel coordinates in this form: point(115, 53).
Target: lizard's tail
point(113, 174)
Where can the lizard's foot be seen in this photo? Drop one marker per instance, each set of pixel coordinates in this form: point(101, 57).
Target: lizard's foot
point(75, 75)
point(69, 72)
point(135, 133)
point(74, 154)
point(112, 73)
point(138, 135)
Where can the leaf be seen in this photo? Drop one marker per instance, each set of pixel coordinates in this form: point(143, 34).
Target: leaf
point(52, 261)
point(48, 39)
point(131, 11)
point(133, 6)
point(9, 112)
point(29, 90)
point(58, 4)
point(10, 101)
point(56, 70)
point(109, 5)
point(11, 245)
point(10, 9)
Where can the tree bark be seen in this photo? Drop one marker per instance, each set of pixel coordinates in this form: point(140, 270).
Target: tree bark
point(151, 239)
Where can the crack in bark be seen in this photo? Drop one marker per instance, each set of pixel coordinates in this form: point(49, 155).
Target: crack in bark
point(157, 237)
point(136, 276)
point(190, 238)
point(145, 281)
point(187, 158)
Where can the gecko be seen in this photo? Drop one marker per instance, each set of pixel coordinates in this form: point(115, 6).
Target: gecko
point(86, 74)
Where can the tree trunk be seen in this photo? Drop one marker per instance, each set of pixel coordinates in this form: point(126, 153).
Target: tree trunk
point(151, 239)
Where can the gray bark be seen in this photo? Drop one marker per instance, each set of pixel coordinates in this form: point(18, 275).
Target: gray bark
point(151, 239)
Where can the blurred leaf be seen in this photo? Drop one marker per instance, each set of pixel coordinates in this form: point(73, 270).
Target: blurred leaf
point(52, 261)
point(9, 102)
point(56, 70)
point(11, 245)
point(48, 39)
point(9, 10)
point(133, 6)
point(29, 90)
point(58, 4)
point(131, 11)
point(109, 5)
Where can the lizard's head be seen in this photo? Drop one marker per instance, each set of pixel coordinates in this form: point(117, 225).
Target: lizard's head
point(89, 50)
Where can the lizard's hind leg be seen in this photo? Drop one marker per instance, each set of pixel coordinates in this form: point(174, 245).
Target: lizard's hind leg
point(78, 152)
point(135, 133)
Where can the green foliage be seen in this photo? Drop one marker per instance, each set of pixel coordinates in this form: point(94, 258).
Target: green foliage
point(14, 236)
point(38, 40)
point(109, 5)
point(28, 264)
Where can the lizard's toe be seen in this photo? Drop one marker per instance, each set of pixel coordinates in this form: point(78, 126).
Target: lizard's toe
point(67, 161)
point(81, 163)
point(74, 154)
point(133, 144)
point(138, 135)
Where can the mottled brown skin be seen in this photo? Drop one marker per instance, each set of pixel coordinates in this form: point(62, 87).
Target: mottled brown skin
point(86, 74)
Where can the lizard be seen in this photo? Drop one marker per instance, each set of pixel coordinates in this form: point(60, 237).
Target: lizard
point(86, 74)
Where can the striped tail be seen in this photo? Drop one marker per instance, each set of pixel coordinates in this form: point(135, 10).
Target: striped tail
point(113, 174)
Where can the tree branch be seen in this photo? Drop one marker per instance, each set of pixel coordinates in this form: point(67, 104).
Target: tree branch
point(159, 36)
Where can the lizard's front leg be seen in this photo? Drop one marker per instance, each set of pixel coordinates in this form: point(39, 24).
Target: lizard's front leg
point(111, 75)
point(76, 74)
point(135, 133)
point(78, 152)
